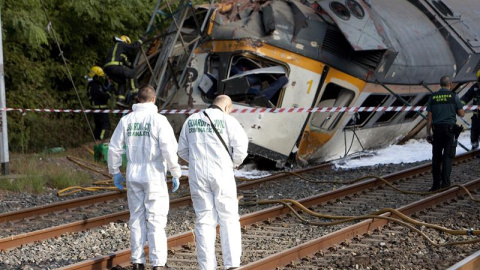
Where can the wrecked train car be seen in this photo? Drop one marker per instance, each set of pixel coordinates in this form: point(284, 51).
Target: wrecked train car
point(325, 53)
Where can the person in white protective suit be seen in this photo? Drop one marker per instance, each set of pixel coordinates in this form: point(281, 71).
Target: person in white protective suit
point(150, 149)
point(212, 183)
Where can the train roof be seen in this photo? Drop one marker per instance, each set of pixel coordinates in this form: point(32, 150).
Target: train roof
point(396, 42)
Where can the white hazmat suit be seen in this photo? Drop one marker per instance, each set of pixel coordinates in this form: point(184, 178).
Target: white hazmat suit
point(212, 183)
point(150, 149)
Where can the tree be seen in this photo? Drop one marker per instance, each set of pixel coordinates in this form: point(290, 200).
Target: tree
point(35, 76)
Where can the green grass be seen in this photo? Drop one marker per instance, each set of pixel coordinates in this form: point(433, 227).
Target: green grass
point(63, 179)
point(35, 172)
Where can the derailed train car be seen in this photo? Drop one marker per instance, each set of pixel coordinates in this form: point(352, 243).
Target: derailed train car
point(326, 53)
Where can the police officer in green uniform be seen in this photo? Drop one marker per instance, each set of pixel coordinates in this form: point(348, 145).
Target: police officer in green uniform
point(474, 94)
point(442, 108)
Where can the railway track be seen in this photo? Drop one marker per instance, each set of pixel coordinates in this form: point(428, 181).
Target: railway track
point(40, 223)
point(262, 229)
point(373, 244)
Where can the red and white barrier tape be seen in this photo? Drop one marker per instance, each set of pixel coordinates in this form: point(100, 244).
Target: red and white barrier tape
point(252, 110)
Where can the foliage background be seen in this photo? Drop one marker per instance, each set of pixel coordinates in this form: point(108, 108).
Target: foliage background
point(35, 76)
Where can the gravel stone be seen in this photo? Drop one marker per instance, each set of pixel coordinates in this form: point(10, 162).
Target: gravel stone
point(74, 247)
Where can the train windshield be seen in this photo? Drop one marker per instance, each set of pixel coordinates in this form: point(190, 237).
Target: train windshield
point(255, 81)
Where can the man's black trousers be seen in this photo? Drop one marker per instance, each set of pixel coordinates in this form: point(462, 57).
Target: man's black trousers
point(122, 75)
point(475, 130)
point(102, 125)
point(443, 152)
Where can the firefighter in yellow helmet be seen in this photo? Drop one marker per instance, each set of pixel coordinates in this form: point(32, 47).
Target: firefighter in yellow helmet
point(96, 71)
point(119, 69)
point(99, 95)
point(474, 94)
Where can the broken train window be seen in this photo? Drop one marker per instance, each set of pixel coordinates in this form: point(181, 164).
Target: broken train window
point(208, 82)
point(334, 96)
point(388, 116)
point(255, 81)
point(421, 102)
point(360, 118)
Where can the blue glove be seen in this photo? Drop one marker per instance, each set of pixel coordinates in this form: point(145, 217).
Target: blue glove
point(118, 180)
point(175, 184)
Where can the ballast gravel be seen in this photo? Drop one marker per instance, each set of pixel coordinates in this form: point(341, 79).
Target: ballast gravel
point(75, 247)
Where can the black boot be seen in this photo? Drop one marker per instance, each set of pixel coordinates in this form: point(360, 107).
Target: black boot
point(445, 185)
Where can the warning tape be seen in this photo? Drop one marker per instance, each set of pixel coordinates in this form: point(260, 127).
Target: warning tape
point(253, 110)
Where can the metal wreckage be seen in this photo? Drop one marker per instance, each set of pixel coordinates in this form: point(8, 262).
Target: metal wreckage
point(302, 54)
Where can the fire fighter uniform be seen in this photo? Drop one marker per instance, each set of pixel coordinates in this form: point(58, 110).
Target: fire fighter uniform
point(119, 69)
point(99, 97)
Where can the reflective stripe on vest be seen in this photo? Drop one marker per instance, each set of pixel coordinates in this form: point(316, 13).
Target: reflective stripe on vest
point(113, 62)
point(99, 106)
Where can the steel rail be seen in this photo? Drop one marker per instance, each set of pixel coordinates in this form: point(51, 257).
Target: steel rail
point(39, 235)
point(89, 200)
point(25, 238)
point(311, 247)
point(188, 237)
point(60, 206)
point(253, 183)
point(472, 262)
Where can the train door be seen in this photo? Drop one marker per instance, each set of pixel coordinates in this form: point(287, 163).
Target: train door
point(339, 90)
point(255, 81)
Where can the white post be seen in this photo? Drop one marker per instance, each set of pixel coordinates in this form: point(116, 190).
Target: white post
point(4, 159)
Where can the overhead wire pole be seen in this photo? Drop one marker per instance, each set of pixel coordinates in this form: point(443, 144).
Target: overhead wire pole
point(69, 74)
point(4, 157)
point(181, 80)
point(149, 27)
point(202, 28)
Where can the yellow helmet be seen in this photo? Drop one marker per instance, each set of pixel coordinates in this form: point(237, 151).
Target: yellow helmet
point(478, 74)
point(126, 39)
point(96, 71)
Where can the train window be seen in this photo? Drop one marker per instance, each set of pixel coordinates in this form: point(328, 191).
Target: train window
point(388, 116)
point(255, 81)
point(334, 96)
point(423, 102)
point(208, 81)
point(372, 100)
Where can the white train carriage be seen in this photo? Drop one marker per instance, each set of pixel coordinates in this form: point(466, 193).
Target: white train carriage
point(303, 54)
